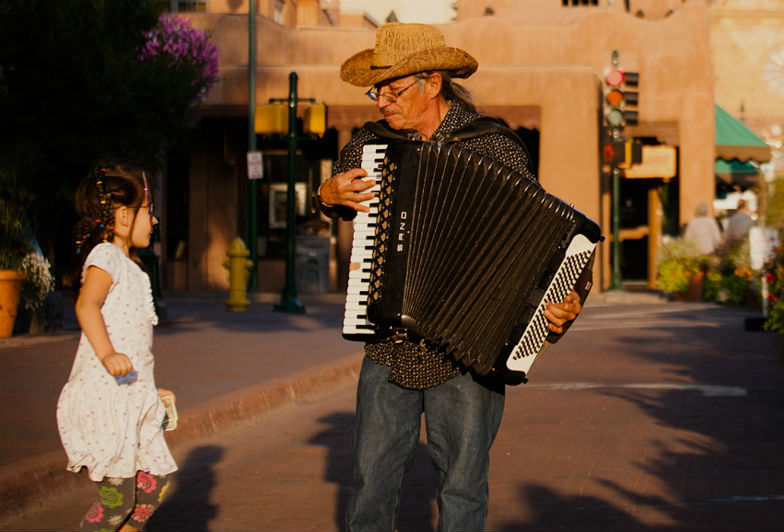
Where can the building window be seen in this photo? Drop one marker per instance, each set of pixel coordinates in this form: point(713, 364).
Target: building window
point(278, 15)
point(188, 6)
point(576, 3)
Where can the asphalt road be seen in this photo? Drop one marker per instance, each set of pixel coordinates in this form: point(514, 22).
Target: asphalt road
point(653, 417)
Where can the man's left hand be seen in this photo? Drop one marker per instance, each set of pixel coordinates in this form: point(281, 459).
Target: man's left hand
point(560, 313)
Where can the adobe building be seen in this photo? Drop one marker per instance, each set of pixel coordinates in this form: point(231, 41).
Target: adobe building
point(748, 56)
point(541, 68)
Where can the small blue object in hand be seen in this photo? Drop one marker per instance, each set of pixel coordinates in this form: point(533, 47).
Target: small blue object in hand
point(128, 378)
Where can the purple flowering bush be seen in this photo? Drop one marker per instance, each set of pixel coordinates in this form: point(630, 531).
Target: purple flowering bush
point(176, 44)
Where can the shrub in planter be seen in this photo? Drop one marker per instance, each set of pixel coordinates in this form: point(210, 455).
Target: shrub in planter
point(680, 266)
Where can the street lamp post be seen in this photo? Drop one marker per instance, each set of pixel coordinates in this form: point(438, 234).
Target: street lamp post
point(288, 299)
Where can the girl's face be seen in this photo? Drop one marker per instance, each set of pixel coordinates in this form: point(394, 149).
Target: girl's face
point(142, 227)
point(132, 228)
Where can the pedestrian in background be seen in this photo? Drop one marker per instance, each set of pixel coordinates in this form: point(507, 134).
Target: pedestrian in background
point(703, 230)
point(739, 224)
point(410, 74)
point(110, 414)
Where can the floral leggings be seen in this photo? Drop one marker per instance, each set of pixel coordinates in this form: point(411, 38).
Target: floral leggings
point(117, 497)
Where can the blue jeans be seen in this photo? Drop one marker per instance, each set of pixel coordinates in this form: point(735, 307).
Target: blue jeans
point(462, 417)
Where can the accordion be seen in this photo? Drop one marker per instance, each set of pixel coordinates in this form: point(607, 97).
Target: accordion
point(464, 253)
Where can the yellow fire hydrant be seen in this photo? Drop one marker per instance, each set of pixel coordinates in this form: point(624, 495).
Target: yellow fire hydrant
point(239, 267)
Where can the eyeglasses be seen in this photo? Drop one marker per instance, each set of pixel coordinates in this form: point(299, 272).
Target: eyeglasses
point(391, 97)
point(148, 200)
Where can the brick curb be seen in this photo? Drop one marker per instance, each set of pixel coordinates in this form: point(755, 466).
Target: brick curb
point(27, 483)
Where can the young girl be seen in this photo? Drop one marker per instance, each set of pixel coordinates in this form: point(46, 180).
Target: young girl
point(114, 429)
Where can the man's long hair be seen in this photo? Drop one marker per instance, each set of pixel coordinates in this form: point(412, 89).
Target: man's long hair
point(452, 91)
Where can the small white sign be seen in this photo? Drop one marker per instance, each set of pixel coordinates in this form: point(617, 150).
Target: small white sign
point(761, 244)
point(255, 166)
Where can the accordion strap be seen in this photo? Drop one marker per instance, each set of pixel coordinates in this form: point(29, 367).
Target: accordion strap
point(484, 125)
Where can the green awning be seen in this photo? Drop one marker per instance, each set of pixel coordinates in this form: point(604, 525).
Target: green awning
point(736, 141)
point(736, 172)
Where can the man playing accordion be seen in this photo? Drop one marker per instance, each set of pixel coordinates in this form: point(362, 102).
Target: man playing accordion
point(410, 74)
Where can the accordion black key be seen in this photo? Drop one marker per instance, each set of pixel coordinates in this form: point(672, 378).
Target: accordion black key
point(464, 253)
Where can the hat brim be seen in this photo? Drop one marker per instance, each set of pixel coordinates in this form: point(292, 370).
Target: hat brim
point(358, 69)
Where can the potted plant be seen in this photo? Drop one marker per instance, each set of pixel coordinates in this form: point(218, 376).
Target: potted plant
point(774, 275)
point(681, 270)
point(24, 271)
point(13, 249)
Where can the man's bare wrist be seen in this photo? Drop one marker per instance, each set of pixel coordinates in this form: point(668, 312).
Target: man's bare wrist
point(318, 194)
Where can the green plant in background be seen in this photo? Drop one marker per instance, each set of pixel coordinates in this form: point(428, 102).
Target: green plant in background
point(13, 245)
point(679, 264)
point(712, 286)
point(84, 80)
point(731, 280)
point(774, 274)
point(18, 252)
point(38, 280)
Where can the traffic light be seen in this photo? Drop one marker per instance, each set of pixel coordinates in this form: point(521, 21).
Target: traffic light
point(271, 119)
point(620, 104)
point(622, 153)
point(314, 121)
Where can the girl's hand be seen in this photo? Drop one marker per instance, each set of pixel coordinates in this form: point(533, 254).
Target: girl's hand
point(117, 364)
point(167, 393)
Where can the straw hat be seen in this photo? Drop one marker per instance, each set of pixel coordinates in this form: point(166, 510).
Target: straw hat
point(402, 50)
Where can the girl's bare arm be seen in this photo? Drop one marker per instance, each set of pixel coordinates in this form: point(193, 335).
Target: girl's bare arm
point(88, 311)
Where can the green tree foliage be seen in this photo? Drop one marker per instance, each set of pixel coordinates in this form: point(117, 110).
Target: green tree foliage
point(72, 91)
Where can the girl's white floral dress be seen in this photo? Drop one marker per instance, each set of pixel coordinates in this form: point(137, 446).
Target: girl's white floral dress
point(115, 429)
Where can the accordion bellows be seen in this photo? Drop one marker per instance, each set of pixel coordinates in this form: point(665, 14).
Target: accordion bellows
point(464, 253)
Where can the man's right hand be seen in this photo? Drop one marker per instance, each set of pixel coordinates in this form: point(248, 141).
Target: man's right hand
point(347, 189)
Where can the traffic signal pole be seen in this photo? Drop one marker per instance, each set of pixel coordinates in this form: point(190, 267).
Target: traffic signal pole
point(615, 279)
point(619, 111)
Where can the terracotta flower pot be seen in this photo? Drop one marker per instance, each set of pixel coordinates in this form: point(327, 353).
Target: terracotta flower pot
point(694, 292)
point(10, 288)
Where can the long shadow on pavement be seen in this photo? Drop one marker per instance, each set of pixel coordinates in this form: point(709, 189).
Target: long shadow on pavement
point(713, 453)
point(419, 484)
point(188, 507)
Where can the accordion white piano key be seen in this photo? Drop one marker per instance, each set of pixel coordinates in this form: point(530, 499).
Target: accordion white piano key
point(355, 321)
point(358, 329)
point(359, 281)
point(357, 267)
point(356, 301)
point(356, 291)
point(357, 276)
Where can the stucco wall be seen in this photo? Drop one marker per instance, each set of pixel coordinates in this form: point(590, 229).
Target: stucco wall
point(556, 67)
point(747, 44)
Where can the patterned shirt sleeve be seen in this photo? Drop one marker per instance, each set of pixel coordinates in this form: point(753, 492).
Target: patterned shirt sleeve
point(504, 150)
point(107, 257)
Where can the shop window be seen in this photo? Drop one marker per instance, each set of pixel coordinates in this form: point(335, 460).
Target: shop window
point(278, 14)
point(188, 6)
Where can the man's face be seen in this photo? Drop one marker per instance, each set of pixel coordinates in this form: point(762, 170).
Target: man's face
point(405, 112)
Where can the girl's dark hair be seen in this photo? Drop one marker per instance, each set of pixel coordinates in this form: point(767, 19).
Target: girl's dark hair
point(107, 186)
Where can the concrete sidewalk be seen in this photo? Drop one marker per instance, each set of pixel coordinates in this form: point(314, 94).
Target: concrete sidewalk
point(225, 367)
